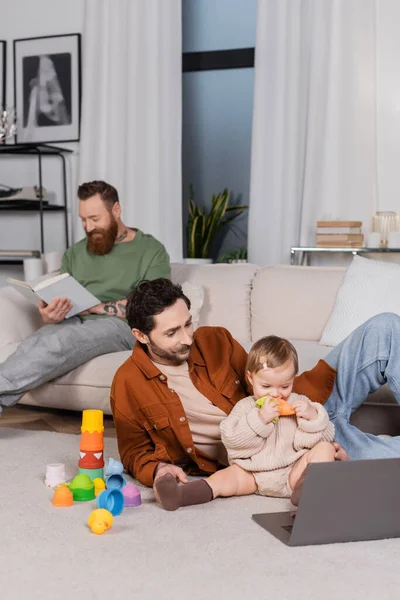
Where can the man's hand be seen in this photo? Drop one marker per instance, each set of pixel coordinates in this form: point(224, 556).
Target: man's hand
point(56, 311)
point(305, 410)
point(177, 472)
point(163, 469)
point(340, 453)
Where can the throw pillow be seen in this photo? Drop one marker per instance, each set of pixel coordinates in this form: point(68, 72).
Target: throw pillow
point(195, 293)
point(369, 287)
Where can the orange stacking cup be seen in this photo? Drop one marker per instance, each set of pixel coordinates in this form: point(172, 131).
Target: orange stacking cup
point(92, 442)
point(62, 497)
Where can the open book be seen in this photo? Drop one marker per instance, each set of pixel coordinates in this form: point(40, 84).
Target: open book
point(60, 286)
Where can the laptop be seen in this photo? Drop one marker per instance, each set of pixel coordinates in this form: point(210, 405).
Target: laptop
point(343, 501)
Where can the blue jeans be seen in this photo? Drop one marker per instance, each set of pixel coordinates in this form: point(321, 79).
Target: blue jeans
point(367, 359)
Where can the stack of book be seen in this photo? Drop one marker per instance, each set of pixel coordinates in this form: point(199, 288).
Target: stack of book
point(339, 234)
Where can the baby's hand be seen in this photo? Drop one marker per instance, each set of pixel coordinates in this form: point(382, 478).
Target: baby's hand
point(269, 411)
point(305, 410)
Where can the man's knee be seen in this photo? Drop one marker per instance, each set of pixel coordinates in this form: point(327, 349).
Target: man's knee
point(386, 321)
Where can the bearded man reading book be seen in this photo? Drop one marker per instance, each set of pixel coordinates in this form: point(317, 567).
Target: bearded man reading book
point(109, 263)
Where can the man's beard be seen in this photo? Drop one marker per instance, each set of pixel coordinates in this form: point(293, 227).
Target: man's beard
point(174, 357)
point(101, 241)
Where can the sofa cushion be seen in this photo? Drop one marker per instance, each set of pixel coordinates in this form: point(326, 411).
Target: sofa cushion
point(293, 302)
point(227, 291)
point(309, 353)
point(369, 287)
point(195, 293)
point(87, 386)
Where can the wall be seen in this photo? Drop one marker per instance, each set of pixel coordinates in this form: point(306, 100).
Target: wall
point(387, 121)
point(388, 104)
point(218, 106)
point(25, 19)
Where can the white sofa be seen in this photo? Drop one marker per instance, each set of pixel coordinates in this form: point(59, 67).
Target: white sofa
point(290, 301)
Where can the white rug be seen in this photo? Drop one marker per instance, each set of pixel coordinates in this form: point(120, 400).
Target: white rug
point(205, 552)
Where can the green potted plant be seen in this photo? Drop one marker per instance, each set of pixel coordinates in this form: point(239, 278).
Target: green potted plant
point(203, 225)
point(238, 255)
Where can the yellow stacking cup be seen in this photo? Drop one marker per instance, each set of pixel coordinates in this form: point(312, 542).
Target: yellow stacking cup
point(92, 421)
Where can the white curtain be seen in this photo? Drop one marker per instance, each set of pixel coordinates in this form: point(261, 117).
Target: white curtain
point(131, 113)
point(314, 147)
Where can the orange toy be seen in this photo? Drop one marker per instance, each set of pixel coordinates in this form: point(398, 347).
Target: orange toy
point(92, 441)
point(285, 409)
point(63, 497)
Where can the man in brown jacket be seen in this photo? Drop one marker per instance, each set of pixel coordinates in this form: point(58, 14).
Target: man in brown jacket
point(170, 396)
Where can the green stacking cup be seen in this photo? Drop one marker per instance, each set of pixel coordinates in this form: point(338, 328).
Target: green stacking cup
point(82, 488)
point(92, 473)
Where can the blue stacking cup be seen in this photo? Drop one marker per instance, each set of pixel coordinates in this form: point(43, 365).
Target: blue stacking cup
point(112, 500)
point(115, 482)
point(114, 467)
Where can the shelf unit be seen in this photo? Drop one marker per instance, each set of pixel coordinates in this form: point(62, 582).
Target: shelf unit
point(16, 257)
point(39, 151)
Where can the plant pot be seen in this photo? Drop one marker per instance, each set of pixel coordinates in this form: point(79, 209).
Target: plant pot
point(197, 261)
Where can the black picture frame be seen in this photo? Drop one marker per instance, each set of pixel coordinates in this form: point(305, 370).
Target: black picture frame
point(47, 88)
point(3, 71)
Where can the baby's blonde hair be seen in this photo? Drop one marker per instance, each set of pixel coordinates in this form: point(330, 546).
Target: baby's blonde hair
point(271, 352)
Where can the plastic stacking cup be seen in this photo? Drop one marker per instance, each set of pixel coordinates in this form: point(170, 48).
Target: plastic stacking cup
point(131, 495)
point(111, 500)
point(92, 473)
point(55, 474)
point(115, 482)
point(91, 460)
point(114, 467)
point(92, 441)
point(99, 486)
point(62, 497)
point(82, 488)
point(92, 420)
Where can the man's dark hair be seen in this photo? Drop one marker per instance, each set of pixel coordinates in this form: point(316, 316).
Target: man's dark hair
point(107, 192)
point(150, 299)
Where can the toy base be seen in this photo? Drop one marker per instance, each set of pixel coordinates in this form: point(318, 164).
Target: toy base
point(83, 495)
point(92, 473)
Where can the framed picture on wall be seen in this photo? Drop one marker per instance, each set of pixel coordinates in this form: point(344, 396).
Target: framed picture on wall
point(3, 48)
point(47, 88)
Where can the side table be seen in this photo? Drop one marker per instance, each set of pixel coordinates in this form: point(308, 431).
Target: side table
point(301, 255)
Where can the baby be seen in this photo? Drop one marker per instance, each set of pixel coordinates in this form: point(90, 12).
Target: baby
point(267, 453)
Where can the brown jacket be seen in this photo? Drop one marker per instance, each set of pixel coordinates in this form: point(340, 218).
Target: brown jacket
point(149, 417)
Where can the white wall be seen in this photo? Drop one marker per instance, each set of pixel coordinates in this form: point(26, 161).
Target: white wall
point(25, 19)
point(388, 104)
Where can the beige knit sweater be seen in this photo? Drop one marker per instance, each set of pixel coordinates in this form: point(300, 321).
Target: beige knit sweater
point(255, 446)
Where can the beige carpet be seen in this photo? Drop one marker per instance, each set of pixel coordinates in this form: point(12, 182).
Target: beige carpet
point(205, 552)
